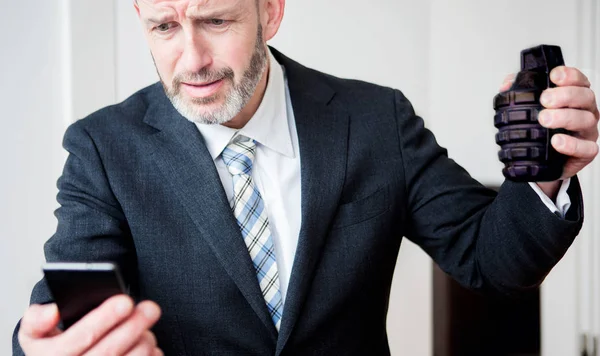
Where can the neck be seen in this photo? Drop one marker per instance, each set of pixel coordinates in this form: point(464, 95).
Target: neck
point(241, 119)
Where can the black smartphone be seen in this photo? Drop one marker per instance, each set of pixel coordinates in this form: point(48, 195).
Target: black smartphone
point(78, 288)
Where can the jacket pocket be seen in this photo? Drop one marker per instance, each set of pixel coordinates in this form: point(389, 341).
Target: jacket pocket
point(363, 209)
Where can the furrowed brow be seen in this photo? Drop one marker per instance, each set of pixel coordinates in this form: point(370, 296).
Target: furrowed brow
point(158, 20)
point(200, 13)
point(209, 15)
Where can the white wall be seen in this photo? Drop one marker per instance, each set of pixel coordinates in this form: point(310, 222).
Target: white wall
point(31, 101)
point(91, 55)
point(571, 293)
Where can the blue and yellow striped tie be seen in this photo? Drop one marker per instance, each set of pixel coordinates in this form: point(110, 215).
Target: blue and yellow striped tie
point(249, 210)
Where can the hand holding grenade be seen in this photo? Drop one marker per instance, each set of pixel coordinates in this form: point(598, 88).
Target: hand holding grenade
point(525, 147)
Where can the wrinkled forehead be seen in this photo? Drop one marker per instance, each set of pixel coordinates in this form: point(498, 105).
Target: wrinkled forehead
point(159, 11)
point(191, 4)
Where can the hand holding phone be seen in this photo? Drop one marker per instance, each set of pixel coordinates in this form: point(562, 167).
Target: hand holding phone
point(78, 288)
point(116, 327)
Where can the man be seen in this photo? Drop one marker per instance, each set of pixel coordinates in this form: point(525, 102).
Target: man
point(261, 204)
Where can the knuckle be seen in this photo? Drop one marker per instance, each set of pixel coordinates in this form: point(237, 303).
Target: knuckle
point(147, 350)
point(590, 120)
point(150, 338)
point(89, 338)
point(570, 145)
point(29, 317)
point(30, 346)
point(561, 95)
point(570, 93)
point(580, 76)
point(572, 73)
point(578, 120)
point(25, 344)
point(590, 95)
point(556, 91)
point(21, 337)
point(594, 150)
point(66, 348)
point(142, 349)
point(109, 350)
point(84, 341)
point(69, 350)
point(563, 118)
point(574, 145)
point(569, 74)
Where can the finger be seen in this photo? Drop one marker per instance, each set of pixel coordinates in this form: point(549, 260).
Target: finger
point(146, 346)
point(569, 97)
point(149, 338)
point(141, 349)
point(568, 76)
point(130, 332)
point(508, 81)
point(580, 121)
point(93, 326)
point(575, 147)
point(39, 321)
point(596, 113)
point(146, 352)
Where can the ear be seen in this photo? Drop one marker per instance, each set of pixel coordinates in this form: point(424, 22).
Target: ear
point(137, 8)
point(271, 14)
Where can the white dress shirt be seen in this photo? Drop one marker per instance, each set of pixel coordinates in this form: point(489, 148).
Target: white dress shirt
point(276, 168)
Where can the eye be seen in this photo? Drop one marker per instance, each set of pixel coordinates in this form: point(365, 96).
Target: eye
point(217, 22)
point(164, 27)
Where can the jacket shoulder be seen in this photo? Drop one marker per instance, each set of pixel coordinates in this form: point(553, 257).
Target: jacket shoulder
point(126, 115)
point(360, 96)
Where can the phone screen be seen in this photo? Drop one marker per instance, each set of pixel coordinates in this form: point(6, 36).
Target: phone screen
point(78, 288)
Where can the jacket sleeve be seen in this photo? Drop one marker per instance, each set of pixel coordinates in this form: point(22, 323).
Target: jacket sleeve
point(91, 224)
point(506, 242)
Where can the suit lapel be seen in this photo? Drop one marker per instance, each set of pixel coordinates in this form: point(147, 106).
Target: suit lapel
point(323, 140)
point(181, 155)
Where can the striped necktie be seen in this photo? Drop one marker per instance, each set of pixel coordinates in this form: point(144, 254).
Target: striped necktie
point(249, 210)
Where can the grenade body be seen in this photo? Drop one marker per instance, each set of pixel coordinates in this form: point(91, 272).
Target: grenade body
point(525, 147)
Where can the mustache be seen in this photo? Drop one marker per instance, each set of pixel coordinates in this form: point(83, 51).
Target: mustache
point(205, 75)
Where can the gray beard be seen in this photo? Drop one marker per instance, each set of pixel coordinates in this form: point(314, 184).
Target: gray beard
point(237, 98)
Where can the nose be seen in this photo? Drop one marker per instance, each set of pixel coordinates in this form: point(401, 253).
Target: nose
point(197, 53)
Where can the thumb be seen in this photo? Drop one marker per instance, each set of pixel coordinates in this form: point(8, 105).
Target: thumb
point(40, 321)
point(508, 82)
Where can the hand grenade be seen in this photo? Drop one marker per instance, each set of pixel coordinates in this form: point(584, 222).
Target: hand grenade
point(525, 147)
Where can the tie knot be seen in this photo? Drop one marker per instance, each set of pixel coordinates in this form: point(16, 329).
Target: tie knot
point(239, 156)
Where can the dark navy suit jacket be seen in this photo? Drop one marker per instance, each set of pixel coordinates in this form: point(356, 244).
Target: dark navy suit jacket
point(140, 188)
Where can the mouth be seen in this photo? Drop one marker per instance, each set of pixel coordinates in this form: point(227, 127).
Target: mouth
point(202, 90)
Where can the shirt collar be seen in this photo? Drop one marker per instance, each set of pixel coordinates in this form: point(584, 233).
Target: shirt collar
point(268, 126)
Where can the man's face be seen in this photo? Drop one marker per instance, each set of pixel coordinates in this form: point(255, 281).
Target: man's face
point(210, 54)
